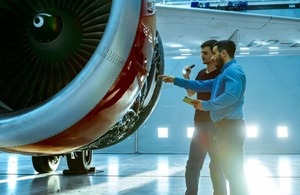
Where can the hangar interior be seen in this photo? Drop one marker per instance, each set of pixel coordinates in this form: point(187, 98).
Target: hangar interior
point(152, 160)
point(271, 104)
point(272, 99)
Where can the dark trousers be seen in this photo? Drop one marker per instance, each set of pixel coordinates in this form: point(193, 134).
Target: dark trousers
point(230, 138)
point(202, 143)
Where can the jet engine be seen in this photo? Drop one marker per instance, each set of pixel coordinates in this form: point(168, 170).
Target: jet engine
point(75, 76)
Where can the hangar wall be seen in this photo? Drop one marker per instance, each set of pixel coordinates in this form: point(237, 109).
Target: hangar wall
point(272, 99)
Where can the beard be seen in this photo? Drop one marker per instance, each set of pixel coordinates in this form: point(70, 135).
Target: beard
point(219, 62)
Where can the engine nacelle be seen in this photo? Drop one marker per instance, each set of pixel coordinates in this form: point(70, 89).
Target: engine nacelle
point(72, 70)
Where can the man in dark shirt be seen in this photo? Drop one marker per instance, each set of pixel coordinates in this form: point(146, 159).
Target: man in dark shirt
point(202, 141)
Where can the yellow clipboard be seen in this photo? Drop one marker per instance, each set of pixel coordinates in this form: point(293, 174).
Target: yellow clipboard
point(188, 100)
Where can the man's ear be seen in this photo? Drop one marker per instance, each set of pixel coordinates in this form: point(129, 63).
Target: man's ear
point(223, 52)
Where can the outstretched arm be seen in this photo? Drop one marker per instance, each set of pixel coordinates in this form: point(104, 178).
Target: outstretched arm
point(195, 85)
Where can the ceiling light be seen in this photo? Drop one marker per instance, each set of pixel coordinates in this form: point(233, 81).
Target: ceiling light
point(184, 50)
point(175, 45)
point(273, 52)
point(244, 48)
point(274, 48)
point(179, 57)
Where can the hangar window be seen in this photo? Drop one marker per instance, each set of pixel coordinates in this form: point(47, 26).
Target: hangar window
point(282, 131)
point(163, 132)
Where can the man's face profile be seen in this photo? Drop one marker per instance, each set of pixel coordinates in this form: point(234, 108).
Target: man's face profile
point(216, 56)
point(206, 55)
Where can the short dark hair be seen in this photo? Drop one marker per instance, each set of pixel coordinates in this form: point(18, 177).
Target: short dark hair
point(227, 45)
point(209, 43)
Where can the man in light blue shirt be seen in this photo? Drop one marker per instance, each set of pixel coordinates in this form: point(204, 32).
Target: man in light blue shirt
point(226, 111)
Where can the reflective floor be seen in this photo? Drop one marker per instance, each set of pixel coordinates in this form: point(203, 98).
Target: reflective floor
point(144, 174)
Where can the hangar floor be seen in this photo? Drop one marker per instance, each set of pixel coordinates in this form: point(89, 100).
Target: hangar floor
point(150, 174)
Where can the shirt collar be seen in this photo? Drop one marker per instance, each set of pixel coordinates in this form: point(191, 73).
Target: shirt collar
point(228, 64)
